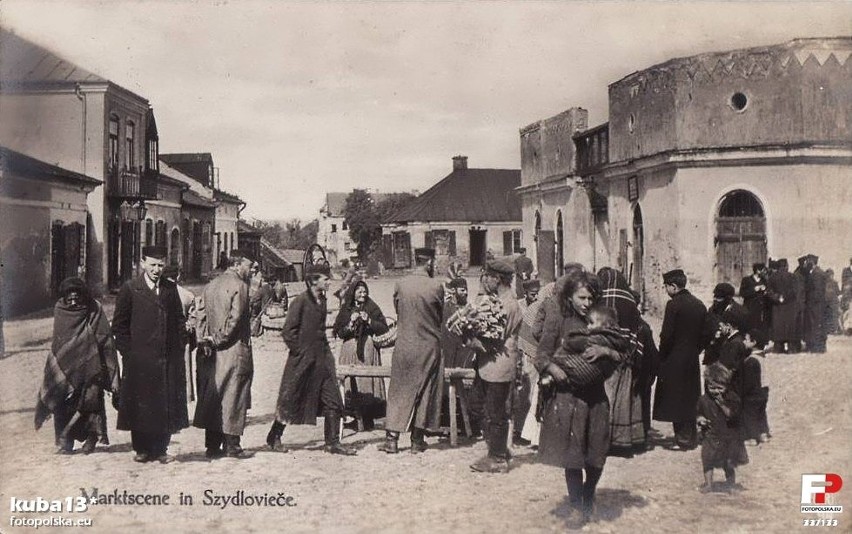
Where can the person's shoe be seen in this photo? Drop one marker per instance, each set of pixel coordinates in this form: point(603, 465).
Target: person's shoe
point(487, 464)
point(239, 454)
point(141, 458)
point(214, 453)
point(576, 519)
point(89, 446)
point(63, 451)
point(338, 448)
point(418, 446)
point(390, 446)
point(521, 442)
point(273, 438)
point(165, 458)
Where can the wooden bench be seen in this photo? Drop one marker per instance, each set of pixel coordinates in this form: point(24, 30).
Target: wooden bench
point(455, 376)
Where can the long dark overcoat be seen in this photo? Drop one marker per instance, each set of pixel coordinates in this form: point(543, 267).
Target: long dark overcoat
point(417, 367)
point(149, 333)
point(679, 381)
point(781, 287)
point(754, 301)
point(224, 378)
point(309, 362)
point(814, 331)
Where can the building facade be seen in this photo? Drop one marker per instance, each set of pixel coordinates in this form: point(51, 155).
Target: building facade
point(468, 216)
point(713, 162)
point(43, 221)
point(332, 231)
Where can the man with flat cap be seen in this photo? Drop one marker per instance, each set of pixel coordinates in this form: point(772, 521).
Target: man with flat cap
point(225, 365)
point(309, 383)
point(149, 329)
point(723, 300)
point(496, 367)
point(416, 385)
point(523, 271)
point(679, 379)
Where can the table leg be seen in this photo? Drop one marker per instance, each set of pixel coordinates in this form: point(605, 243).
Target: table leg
point(454, 427)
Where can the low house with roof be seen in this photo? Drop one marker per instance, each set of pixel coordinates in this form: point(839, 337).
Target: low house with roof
point(467, 216)
point(43, 219)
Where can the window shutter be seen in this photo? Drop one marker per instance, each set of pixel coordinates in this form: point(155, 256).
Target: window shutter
point(430, 240)
point(452, 245)
point(507, 243)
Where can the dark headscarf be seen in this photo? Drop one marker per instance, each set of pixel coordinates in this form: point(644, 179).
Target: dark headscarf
point(376, 320)
point(616, 294)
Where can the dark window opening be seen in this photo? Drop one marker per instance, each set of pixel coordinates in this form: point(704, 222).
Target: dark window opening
point(739, 101)
point(740, 204)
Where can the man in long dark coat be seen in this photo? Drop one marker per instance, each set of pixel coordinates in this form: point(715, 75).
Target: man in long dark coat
point(414, 395)
point(781, 291)
point(800, 276)
point(149, 330)
point(753, 292)
point(523, 271)
point(309, 382)
point(814, 331)
point(225, 366)
point(679, 381)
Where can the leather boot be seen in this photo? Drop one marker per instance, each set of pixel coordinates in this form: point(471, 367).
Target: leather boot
point(391, 444)
point(273, 438)
point(332, 437)
point(89, 445)
point(418, 441)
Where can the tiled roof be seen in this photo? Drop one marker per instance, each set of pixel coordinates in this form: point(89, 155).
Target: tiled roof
point(18, 163)
point(335, 203)
point(171, 159)
point(467, 195)
point(192, 198)
point(288, 255)
point(228, 197)
point(245, 228)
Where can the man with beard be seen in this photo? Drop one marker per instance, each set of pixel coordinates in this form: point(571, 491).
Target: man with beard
point(416, 386)
point(781, 291)
point(679, 381)
point(225, 367)
point(149, 329)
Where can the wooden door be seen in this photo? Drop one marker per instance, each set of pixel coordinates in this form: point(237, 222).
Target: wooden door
point(477, 248)
point(740, 242)
point(545, 257)
point(401, 250)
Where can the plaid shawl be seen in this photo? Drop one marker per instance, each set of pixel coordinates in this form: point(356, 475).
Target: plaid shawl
point(82, 354)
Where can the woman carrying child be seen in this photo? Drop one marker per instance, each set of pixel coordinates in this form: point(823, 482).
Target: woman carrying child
point(575, 426)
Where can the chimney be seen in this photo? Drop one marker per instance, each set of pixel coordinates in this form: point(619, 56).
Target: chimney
point(459, 163)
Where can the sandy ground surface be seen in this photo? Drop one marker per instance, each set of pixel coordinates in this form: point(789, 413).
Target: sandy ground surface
point(809, 412)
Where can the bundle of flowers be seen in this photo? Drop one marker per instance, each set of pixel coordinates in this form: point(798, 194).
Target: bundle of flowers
point(483, 319)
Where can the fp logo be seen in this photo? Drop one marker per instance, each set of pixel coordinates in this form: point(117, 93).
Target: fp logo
point(814, 487)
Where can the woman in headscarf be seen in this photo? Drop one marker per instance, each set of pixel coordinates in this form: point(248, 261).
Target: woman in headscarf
point(357, 322)
point(82, 364)
point(623, 387)
point(575, 422)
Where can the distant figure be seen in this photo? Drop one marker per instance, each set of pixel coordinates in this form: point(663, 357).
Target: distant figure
point(846, 287)
point(280, 293)
point(832, 304)
point(781, 291)
point(222, 264)
point(679, 381)
point(416, 386)
point(82, 364)
point(225, 365)
point(814, 331)
point(753, 293)
point(523, 271)
point(149, 328)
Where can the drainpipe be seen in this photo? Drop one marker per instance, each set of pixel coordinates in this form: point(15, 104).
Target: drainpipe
point(79, 94)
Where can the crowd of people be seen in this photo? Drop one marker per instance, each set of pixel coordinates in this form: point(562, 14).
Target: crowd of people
point(569, 366)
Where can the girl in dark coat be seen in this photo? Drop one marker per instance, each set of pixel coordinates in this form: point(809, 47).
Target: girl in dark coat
point(575, 424)
point(358, 320)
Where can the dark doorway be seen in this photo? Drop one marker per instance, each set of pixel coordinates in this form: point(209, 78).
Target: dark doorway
point(174, 250)
point(740, 236)
point(65, 252)
point(477, 248)
point(197, 250)
point(637, 280)
point(129, 245)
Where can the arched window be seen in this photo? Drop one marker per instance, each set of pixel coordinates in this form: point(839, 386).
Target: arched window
point(740, 204)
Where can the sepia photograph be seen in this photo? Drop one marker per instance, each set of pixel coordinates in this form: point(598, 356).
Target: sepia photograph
point(425, 266)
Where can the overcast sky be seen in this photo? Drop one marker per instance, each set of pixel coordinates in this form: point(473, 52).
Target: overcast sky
point(297, 99)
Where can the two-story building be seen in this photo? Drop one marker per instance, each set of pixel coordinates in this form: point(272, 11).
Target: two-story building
point(465, 216)
point(61, 114)
point(711, 163)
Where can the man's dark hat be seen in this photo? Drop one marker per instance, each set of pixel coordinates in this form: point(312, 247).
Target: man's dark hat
point(154, 251)
point(500, 266)
point(813, 258)
point(737, 317)
point(672, 275)
point(532, 285)
point(522, 250)
point(724, 290)
point(803, 259)
point(425, 252)
point(242, 253)
point(72, 283)
point(456, 283)
point(782, 264)
point(758, 266)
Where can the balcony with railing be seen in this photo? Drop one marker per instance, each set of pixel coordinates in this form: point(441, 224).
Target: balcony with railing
point(131, 184)
point(592, 149)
